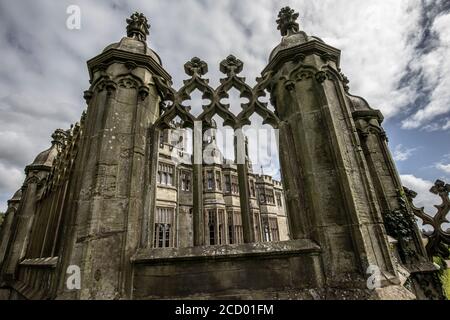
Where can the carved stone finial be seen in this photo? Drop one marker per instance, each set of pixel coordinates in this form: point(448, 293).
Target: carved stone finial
point(138, 26)
point(231, 65)
point(59, 137)
point(195, 66)
point(440, 187)
point(287, 21)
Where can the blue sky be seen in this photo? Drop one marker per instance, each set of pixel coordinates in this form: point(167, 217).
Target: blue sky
point(395, 54)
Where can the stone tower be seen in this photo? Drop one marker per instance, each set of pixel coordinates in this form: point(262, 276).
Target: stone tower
point(123, 103)
point(343, 181)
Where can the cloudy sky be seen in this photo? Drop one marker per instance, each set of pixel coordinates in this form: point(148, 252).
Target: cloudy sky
point(395, 53)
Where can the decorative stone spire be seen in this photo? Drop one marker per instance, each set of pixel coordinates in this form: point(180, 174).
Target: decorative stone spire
point(287, 21)
point(138, 26)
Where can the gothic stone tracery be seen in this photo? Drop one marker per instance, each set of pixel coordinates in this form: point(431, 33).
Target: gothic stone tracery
point(107, 198)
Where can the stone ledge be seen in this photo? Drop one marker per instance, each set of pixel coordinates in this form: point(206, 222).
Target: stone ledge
point(226, 252)
point(40, 262)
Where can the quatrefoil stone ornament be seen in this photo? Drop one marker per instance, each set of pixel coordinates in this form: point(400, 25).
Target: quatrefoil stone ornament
point(195, 66)
point(440, 187)
point(231, 66)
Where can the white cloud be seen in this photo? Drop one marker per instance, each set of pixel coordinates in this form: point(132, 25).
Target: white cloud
point(443, 167)
point(376, 45)
point(446, 126)
point(10, 179)
point(401, 153)
point(434, 67)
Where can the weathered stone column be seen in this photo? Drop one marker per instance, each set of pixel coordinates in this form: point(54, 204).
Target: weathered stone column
point(388, 186)
point(26, 211)
point(197, 183)
point(6, 228)
point(150, 174)
point(330, 192)
point(112, 201)
point(398, 218)
point(244, 193)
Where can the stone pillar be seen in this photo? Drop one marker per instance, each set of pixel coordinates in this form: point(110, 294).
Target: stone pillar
point(23, 219)
point(398, 217)
point(6, 228)
point(197, 190)
point(244, 193)
point(150, 175)
point(388, 187)
point(112, 201)
point(330, 192)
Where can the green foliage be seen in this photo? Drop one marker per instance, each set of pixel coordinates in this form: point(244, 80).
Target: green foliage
point(446, 283)
point(400, 223)
point(444, 275)
point(2, 217)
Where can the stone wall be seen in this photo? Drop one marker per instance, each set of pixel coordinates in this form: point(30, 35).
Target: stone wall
point(246, 271)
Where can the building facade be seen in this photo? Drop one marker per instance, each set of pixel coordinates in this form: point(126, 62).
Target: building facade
point(221, 200)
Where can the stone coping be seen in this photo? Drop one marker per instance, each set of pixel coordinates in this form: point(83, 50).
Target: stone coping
point(309, 47)
point(226, 252)
point(120, 56)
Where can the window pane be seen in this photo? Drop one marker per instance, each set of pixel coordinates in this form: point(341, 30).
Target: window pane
point(167, 236)
point(161, 236)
